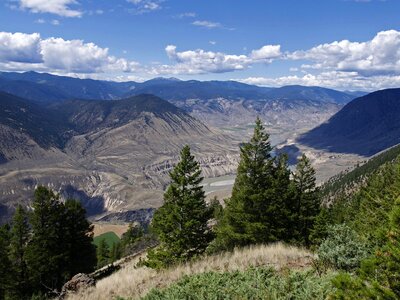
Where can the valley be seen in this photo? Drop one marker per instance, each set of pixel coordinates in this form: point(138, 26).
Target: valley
point(115, 155)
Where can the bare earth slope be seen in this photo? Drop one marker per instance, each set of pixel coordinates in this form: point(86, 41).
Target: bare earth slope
point(116, 154)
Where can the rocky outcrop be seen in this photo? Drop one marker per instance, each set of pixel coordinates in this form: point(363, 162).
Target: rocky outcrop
point(77, 283)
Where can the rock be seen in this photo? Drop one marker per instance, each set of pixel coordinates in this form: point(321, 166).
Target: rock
point(78, 282)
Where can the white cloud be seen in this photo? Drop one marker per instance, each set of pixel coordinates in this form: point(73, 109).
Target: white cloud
point(330, 79)
point(200, 61)
point(379, 56)
point(55, 22)
point(187, 15)
point(144, 6)
point(266, 52)
point(207, 24)
point(58, 7)
point(20, 51)
point(20, 47)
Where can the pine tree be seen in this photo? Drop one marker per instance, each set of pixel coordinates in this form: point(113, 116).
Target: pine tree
point(249, 214)
point(46, 255)
point(5, 263)
point(308, 203)
point(116, 251)
point(103, 254)
point(20, 288)
point(78, 240)
point(285, 193)
point(321, 226)
point(133, 233)
point(181, 222)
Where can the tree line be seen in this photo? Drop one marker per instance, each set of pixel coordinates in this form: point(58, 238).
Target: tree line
point(41, 250)
point(269, 203)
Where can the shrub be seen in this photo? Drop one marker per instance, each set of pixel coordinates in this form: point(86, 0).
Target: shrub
point(255, 283)
point(342, 249)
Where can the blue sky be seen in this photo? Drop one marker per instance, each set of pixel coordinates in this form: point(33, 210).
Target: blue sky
point(343, 44)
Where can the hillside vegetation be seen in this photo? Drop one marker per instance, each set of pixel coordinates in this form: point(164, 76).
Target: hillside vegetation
point(347, 183)
point(206, 250)
point(109, 237)
point(134, 282)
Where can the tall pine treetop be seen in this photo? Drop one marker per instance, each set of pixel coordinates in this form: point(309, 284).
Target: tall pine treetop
point(255, 160)
point(181, 223)
point(186, 176)
point(304, 176)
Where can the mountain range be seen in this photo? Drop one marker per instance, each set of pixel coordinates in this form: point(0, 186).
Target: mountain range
point(46, 87)
point(112, 144)
point(110, 154)
point(218, 103)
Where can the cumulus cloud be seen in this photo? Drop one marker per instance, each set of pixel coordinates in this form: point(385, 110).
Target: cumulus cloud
point(379, 56)
point(331, 79)
point(58, 7)
point(20, 51)
point(266, 52)
point(20, 47)
point(200, 61)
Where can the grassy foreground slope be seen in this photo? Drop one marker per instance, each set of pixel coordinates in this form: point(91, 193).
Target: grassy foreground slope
point(252, 263)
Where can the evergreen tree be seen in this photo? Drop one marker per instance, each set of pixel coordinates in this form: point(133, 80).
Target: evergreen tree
point(116, 251)
point(46, 255)
point(20, 288)
point(103, 253)
point(321, 226)
point(78, 240)
point(5, 263)
point(308, 203)
point(285, 193)
point(133, 233)
point(249, 213)
point(181, 223)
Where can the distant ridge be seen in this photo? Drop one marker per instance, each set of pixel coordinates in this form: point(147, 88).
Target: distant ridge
point(365, 126)
point(45, 87)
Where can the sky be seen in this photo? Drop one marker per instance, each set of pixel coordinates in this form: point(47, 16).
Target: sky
point(340, 44)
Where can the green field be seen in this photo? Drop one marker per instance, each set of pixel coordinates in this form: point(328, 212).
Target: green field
point(110, 238)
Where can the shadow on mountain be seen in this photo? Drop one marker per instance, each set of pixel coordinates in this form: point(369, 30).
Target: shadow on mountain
point(93, 205)
point(292, 151)
point(365, 126)
point(4, 214)
point(142, 216)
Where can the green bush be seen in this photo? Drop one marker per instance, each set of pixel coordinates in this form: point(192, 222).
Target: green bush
point(342, 249)
point(256, 283)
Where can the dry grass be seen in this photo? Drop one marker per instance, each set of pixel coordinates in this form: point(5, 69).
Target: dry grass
point(133, 283)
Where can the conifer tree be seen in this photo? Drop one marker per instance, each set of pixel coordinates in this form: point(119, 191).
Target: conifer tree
point(181, 222)
point(5, 263)
point(116, 251)
point(285, 194)
point(46, 255)
point(321, 226)
point(308, 203)
point(249, 213)
point(103, 254)
point(78, 240)
point(20, 287)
